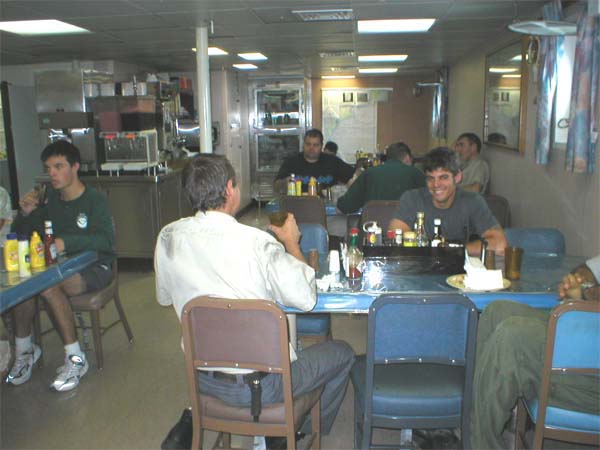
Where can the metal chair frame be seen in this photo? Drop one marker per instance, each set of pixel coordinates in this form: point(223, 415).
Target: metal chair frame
point(85, 303)
point(382, 354)
point(554, 361)
point(224, 333)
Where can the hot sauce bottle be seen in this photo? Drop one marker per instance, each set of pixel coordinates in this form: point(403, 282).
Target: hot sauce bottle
point(50, 251)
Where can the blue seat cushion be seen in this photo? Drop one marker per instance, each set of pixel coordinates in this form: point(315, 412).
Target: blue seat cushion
point(411, 390)
point(313, 324)
point(566, 419)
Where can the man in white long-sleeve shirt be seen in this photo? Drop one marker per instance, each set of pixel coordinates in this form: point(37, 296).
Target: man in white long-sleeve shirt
point(212, 254)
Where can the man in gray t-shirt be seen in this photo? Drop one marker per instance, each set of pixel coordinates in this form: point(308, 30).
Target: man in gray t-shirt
point(462, 213)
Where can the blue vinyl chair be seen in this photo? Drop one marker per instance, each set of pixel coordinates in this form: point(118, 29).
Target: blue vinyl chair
point(571, 347)
point(537, 240)
point(314, 327)
point(418, 370)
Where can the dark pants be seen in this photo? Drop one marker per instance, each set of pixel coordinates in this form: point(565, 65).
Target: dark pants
point(510, 351)
point(326, 364)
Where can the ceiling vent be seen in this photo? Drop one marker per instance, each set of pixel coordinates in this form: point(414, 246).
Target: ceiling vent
point(337, 54)
point(342, 69)
point(321, 15)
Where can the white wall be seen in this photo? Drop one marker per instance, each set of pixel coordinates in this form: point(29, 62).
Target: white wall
point(540, 196)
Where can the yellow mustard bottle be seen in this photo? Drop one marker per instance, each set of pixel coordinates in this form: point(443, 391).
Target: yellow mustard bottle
point(11, 253)
point(298, 185)
point(36, 252)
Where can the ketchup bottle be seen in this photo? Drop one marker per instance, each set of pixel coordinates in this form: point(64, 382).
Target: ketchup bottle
point(50, 252)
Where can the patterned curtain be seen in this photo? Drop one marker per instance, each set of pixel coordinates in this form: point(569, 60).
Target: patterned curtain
point(583, 117)
point(547, 85)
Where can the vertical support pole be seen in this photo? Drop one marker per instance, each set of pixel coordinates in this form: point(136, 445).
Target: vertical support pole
point(203, 86)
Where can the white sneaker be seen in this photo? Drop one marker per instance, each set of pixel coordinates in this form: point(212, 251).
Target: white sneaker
point(74, 368)
point(21, 369)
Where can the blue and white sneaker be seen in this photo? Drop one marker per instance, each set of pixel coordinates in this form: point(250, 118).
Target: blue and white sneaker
point(21, 369)
point(71, 372)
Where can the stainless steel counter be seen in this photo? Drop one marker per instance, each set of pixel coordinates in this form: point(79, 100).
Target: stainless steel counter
point(141, 206)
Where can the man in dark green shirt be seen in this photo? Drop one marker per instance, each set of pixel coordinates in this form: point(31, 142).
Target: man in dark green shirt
point(81, 221)
point(386, 182)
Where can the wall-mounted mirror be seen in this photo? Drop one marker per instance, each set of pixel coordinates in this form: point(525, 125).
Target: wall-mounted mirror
point(505, 98)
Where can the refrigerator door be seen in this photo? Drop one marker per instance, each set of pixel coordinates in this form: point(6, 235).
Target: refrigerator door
point(272, 149)
point(277, 125)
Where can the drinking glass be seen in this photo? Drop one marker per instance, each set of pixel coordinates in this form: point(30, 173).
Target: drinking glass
point(277, 218)
point(512, 262)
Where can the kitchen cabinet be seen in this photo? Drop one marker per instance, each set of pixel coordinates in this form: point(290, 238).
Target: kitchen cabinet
point(141, 206)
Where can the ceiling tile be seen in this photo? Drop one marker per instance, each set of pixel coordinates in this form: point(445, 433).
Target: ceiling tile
point(67, 9)
point(120, 23)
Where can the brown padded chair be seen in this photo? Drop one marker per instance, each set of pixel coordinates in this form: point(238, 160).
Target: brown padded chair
point(306, 209)
point(93, 302)
point(500, 209)
point(243, 334)
point(382, 211)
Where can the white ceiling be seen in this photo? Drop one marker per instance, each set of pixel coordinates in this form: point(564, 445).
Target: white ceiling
point(160, 33)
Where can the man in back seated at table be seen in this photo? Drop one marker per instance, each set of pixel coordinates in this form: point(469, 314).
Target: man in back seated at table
point(331, 148)
point(328, 169)
point(511, 338)
point(212, 254)
point(385, 182)
point(462, 213)
point(81, 221)
point(475, 170)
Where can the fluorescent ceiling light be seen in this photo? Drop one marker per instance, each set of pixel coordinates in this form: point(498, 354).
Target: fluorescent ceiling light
point(337, 77)
point(255, 56)
point(214, 51)
point(245, 66)
point(516, 58)
point(395, 26)
point(382, 58)
point(318, 15)
point(511, 75)
point(379, 70)
point(503, 69)
point(40, 27)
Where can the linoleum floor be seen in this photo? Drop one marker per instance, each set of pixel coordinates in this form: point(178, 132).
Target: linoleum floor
point(140, 393)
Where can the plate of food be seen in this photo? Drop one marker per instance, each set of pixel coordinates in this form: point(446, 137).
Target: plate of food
point(458, 282)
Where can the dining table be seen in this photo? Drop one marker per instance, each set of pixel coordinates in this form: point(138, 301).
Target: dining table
point(537, 287)
point(15, 289)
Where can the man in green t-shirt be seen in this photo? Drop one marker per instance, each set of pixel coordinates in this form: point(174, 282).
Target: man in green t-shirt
point(386, 182)
point(81, 221)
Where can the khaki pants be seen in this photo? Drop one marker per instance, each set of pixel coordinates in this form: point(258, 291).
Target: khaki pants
point(510, 351)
